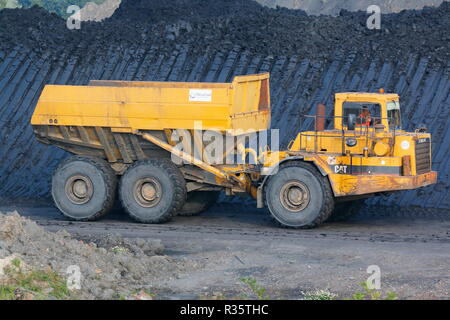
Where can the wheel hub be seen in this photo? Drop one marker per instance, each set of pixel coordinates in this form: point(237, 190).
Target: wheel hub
point(294, 196)
point(79, 189)
point(147, 192)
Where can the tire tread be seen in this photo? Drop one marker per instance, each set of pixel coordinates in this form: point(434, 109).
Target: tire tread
point(328, 205)
point(179, 189)
point(108, 175)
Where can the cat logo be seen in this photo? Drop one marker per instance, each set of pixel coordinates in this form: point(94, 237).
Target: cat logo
point(340, 169)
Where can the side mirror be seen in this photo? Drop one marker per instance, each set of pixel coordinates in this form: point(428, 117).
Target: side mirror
point(351, 122)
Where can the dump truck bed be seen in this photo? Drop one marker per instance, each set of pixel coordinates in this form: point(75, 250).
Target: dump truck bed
point(125, 106)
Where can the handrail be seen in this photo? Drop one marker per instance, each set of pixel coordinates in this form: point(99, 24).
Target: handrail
point(362, 132)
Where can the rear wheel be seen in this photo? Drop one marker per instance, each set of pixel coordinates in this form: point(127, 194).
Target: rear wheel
point(298, 196)
point(198, 201)
point(152, 191)
point(84, 188)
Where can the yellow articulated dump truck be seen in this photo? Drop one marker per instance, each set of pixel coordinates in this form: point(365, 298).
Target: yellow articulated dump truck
point(170, 148)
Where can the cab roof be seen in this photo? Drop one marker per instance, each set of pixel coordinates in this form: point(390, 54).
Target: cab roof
point(360, 96)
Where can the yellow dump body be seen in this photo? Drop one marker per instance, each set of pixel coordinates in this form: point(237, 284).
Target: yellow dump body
point(124, 107)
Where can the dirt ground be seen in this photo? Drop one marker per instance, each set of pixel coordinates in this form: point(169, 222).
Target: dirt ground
point(211, 253)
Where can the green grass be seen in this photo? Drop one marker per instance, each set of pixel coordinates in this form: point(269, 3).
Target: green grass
point(372, 294)
point(319, 295)
point(119, 249)
point(32, 284)
point(364, 294)
point(258, 290)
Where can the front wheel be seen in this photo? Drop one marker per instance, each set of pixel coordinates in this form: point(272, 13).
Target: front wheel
point(152, 191)
point(298, 196)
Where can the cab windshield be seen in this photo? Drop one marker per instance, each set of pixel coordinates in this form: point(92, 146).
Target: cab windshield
point(394, 117)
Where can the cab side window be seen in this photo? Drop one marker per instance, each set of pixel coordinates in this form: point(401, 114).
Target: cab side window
point(367, 114)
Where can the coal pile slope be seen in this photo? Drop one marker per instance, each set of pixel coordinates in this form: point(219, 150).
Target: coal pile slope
point(409, 56)
point(189, 10)
point(215, 27)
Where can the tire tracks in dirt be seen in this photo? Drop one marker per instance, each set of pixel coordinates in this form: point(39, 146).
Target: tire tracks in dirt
point(179, 231)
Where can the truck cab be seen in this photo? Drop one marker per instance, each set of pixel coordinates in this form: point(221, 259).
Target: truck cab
point(367, 151)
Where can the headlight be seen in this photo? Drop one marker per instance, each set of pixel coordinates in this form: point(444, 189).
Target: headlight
point(351, 142)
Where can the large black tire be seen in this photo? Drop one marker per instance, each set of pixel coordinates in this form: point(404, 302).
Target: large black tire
point(345, 210)
point(152, 191)
point(84, 188)
point(298, 196)
point(198, 202)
